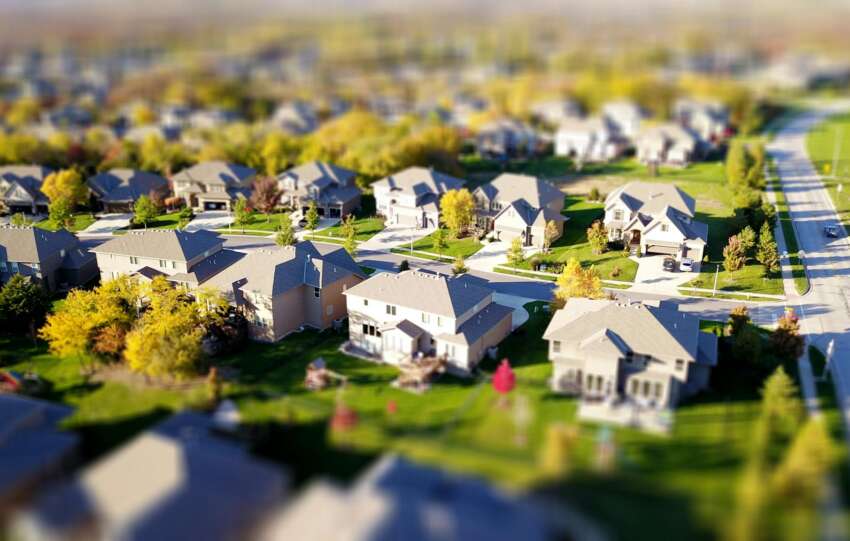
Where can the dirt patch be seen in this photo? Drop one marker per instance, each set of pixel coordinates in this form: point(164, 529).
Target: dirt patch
point(121, 374)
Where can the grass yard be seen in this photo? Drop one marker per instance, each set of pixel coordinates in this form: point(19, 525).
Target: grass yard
point(821, 144)
point(612, 265)
point(262, 222)
point(170, 220)
point(81, 221)
point(366, 227)
point(480, 170)
point(685, 481)
point(465, 246)
point(798, 270)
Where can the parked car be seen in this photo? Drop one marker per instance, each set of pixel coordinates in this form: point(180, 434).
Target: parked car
point(830, 231)
point(686, 264)
point(669, 264)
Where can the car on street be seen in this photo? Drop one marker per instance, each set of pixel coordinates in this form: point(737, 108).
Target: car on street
point(669, 264)
point(830, 231)
point(686, 264)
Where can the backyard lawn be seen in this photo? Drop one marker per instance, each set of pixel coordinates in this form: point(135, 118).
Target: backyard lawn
point(685, 481)
point(821, 144)
point(81, 221)
point(611, 265)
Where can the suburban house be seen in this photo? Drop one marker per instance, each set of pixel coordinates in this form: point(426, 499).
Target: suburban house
point(295, 117)
point(709, 121)
point(506, 138)
point(20, 188)
point(53, 258)
point(589, 139)
point(185, 258)
point(330, 186)
point(625, 358)
point(412, 197)
point(379, 504)
point(213, 185)
point(554, 112)
point(519, 206)
point(35, 447)
point(117, 190)
point(655, 218)
point(624, 116)
point(185, 478)
point(281, 289)
point(397, 317)
point(668, 144)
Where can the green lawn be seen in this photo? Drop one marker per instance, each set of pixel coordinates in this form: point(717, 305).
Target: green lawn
point(749, 279)
point(798, 270)
point(170, 220)
point(81, 221)
point(366, 227)
point(685, 481)
point(611, 265)
point(465, 246)
point(262, 222)
point(821, 143)
point(480, 170)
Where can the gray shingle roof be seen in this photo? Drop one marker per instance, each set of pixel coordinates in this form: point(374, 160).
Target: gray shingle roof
point(651, 197)
point(28, 178)
point(33, 172)
point(275, 270)
point(167, 244)
point(432, 293)
point(125, 185)
point(510, 187)
point(217, 172)
point(420, 181)
point(479, 325)
point(31, 244)
point(319, 173)
point(594, 327)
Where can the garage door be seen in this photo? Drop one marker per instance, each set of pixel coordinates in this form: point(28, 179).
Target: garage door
point(661, 249)
point(214, 206)
point(403, 219)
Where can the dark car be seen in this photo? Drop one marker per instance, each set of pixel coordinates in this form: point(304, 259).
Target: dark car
point(669, 264)
point(830, 231)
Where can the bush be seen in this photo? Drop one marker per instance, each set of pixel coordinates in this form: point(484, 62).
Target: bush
point(616, 271)
point(594, 194)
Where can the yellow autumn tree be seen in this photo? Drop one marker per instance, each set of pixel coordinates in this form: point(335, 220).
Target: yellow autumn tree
point(66, 185)
point(457, 210)
point(575, 281)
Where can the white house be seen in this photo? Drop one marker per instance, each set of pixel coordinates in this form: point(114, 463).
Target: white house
point(624, 116)
point(394, 317)
point(589, 140)
point(666, 143)
point(709, 121)
point(520, 206)
point(412, 197)
point(655, 218)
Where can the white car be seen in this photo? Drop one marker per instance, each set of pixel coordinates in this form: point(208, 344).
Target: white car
point(686, 264)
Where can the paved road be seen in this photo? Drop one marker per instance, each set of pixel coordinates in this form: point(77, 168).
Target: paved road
point(825, 309)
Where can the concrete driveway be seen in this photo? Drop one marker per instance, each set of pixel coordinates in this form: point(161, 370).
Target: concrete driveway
point(210, 219)
point(494, 253)
point(107, 223)
point(392, 237)
point(652, 278)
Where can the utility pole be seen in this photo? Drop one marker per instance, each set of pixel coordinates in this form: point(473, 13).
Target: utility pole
point(716, 274)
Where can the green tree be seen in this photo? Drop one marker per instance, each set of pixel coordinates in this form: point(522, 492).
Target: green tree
point(747, 238)
point(515, 255)
point(350, 243)
point(312, 216)
point(812, 455)
point(145, 210)
point(285, 233)
point(737, 164)
point(404, 265)
point(459, 265)
point(241, 212)
point(733, 255)
point(457, 210)
point(23, 304)
point(348, 227)
point(438, 239)
point(755, 174)
point(781, 407)
point(747, 346)
point(59, 212)
point(767, 253)
point(19, 219)
point(597, 236)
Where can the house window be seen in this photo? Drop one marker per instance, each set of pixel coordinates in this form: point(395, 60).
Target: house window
point(371, 330)
point(657, 393)
point(633, 384)
point(680, 364)
point(618, 215)
point(439, 321)
point(365, 302)
point(3, 266)
point(317, 292)
point(665, 228)
point(163, 263)
point(391, 309)
point(173, 264)
point(556, 346)
point(134, 260)
point(426, 318)
point(14, 266)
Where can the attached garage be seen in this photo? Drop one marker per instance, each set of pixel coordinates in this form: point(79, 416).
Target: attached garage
point(662, 249)
point(215, 205)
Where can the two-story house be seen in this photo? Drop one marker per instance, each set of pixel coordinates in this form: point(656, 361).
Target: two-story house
point(213, 185)
point(506, 138)
point(330, 186)
point(666, 143)
point(53, 258)
point(117, 190)
point(590, 139)
point(708, 120)
point(185, 258)
point(281, 289)
point(412, 197)
point(637, 355)
point(655, 218)
point(624, 116)
point(513, 205)
point(20, 188)
point(394, 317)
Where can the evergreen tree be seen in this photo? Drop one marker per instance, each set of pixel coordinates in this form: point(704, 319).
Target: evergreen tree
point(781, 407)
point(241, 212)
point(737, 165)
point(767, 253)
point(800, 476)
point(144, 210)
point(23, 304)
point(515, 256)
point(350, 243)
point(438, 240)
point(747, 238)
point(285, 233)
point(312, 216)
